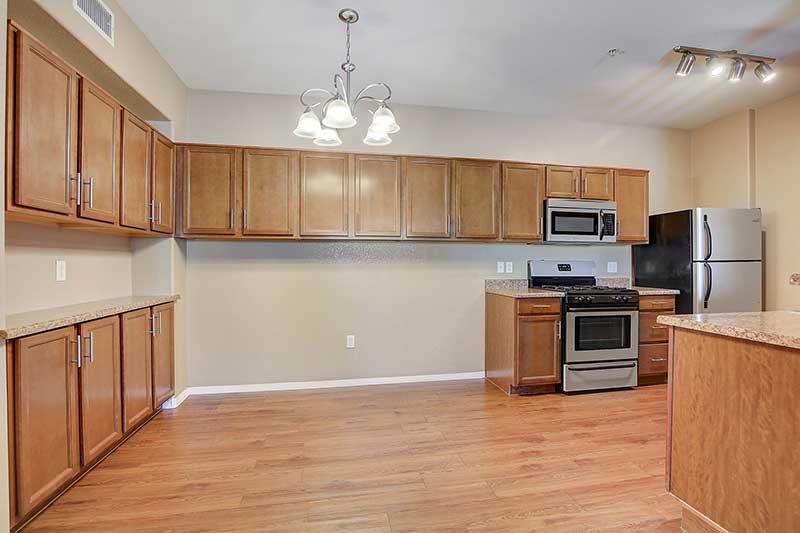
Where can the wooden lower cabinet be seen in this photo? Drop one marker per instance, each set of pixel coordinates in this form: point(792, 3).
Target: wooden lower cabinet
point(100, 388)
point(75, 393)
point(45, 424)
point(523, 343)
point(653, 338)
point(163, 353)
point(137, 367)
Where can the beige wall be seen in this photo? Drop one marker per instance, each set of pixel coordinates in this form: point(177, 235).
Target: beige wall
point(276, 312)
point(98, 267)
point(132, 57)
point(777, 142)
point(752, 158)
point(722, 162)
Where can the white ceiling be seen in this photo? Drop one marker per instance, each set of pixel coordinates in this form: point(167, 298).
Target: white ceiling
point(538, 57)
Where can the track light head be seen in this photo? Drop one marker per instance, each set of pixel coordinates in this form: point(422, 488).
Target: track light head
point(686, 64)
point(736, 73)
point(716, 65)
point(764, 72)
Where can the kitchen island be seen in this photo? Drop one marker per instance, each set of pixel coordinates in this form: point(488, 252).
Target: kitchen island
point(733, 440)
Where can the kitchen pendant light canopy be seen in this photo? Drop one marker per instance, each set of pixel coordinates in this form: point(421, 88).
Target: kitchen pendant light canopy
point(718, 61)
point(338, 106)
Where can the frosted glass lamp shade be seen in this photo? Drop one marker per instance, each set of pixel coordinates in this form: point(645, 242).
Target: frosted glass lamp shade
point(383, 121)
point(308, 126)
point(328, 137)
point(377, 138)
point(338, 115)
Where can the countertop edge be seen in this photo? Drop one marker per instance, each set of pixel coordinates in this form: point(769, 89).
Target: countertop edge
point(102, 311)
point(545, 293)
point(729, 330)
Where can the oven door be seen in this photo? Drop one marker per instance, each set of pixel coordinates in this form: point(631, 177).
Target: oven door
point(573, 225)
point(601, 336)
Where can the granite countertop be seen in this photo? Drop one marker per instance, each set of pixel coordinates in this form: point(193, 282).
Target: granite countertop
point(650, 291)
point(525, 293)
point(28, 323)
point(781, 328)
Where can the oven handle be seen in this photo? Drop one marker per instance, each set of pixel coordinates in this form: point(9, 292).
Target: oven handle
point(612, 367)
point(598, 310)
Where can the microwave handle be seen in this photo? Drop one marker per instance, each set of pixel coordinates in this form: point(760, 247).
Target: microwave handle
point(602, 224)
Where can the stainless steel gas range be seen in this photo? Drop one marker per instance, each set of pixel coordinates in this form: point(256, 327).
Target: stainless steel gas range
point(600, 326)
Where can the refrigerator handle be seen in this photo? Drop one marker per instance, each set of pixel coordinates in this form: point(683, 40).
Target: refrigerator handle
point(707, 229)
point(709, 281)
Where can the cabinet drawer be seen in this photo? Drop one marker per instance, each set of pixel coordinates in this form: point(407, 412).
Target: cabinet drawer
point(649, 330)
point(539, 306)
point(657, 303)
point(653, 359)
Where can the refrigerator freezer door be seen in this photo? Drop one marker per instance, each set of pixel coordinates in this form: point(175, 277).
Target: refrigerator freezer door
point(726, 234)
point(727, 287)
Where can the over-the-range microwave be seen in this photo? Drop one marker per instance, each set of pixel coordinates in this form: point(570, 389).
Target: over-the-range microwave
point(580, 221)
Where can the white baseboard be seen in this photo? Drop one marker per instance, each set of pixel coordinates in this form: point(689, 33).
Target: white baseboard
point(175, 401)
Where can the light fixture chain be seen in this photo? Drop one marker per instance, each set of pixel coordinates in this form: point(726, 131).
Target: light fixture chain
point(347, 58)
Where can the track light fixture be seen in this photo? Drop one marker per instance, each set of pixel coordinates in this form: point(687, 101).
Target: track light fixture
point(717, 61)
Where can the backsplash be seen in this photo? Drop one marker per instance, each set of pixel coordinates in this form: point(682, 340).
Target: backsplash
point(521, 283)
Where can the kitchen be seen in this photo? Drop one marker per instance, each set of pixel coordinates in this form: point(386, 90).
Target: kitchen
point(321, 290)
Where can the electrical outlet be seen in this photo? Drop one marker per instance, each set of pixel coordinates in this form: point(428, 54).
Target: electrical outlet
point(351, 341)
point(509, 267)
point(612, 267)
point(501, 267)
point(61, 270)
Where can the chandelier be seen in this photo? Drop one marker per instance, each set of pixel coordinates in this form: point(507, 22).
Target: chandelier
point(338, 106)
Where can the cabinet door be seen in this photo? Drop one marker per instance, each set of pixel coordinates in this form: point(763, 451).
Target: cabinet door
point(427, 191)
point(377, 196)
point(270, 192)
point(136, 202)
point(477, 199)
point(100, 130)
point(101, 405)
point(523, 201)
point(562, 182)
point(209, 190)
point(163, 353)
point(137, 380)
point(163, 185)
point(631, 193)
point(650, 330)
point(323, 194)
point(597, 184)
point(46, 415)
point(46, 129)
point(538, 350)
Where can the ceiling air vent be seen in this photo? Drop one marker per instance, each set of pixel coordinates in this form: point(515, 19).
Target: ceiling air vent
point(98, 15)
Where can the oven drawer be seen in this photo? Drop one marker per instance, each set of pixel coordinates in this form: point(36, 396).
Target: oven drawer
point(596, 376)
point(653, 359)
point(656, 303)
point(539, 306)
point(649, 330)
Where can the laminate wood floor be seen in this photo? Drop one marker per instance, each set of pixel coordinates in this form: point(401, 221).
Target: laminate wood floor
point(454, 457)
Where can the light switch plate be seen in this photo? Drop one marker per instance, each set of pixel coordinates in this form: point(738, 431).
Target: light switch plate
point(509, 267)
point(351, 341)
point(501, 267)
point(612, 267)
point(61, 270)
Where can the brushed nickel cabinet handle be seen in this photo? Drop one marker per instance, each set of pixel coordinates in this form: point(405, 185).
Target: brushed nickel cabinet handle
point(79, 354)
point(152, 330)
point(541, 306)
point(232, 222)
point(90, 357)
point(558, 332)
point(79, 192)
point(244, 218)
point(151, 206)
point(577, 185)
point(658, 359)
point(160, 322)
point(659, 327)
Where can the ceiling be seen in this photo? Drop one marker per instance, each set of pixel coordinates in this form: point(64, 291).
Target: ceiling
point(537, 57)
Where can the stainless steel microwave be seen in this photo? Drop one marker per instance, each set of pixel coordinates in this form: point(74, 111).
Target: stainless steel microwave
point(580, 221)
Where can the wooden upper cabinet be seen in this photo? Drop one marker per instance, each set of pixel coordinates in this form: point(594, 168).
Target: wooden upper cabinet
point(633, 205)
point(163, 353)
point(269, 196)
point(46, 127)
point(377, 196)
point(477, 199)
point(427, 196)
point(209, 189)
point(538, 350)
point(562, 182)
point(100, 388)
point(100, 132)
point(137, 210)
point(163, 184)
point(47, 448)
point(523, 201)
point(137, 374)
point(597, 184)
point(324, 181)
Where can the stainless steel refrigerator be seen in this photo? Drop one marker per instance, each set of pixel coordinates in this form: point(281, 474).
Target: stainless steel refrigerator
point(712, 255)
